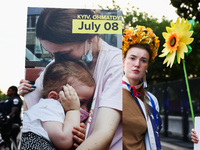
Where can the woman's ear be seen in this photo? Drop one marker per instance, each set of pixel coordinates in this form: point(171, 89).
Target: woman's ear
point(53, 95)
point(123, 61)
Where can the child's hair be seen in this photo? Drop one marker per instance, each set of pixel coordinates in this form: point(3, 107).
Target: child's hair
point(62, 73)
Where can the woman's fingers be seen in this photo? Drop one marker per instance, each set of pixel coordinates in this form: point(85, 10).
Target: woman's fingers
point(76, 145)
point(81, 129)
point(78, 141)
point(194, 140)
point(25, 87)
point(194, 137)
point(23, 81)
point(82, 125)
point(79, 133)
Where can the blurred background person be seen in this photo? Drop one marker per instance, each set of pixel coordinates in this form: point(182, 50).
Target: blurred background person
point(11, 116)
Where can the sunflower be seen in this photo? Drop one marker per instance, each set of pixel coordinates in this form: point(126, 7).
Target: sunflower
point(176, 40)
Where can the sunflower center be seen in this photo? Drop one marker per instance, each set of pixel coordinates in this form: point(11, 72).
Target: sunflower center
point(173, 41)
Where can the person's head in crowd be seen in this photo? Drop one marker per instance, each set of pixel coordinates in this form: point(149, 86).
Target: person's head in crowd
point(12, 91)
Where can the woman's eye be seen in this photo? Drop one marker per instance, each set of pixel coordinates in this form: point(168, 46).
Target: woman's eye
point(144, 60)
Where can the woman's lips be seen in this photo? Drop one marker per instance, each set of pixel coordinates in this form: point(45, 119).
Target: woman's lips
point(136, 71)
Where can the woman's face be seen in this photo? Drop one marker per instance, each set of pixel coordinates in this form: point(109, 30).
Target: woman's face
point(73, 50)
point(135, 64)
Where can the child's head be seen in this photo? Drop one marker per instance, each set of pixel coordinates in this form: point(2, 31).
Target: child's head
point(75, 74)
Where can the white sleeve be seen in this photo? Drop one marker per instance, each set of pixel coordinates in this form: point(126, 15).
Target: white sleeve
point(112, 91)
point(53, 112)
point(47, 110)
point(33, 97)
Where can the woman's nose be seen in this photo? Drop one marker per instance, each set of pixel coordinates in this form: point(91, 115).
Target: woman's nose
point(137, 63)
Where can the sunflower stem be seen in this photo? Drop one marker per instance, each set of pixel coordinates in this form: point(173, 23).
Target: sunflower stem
point(188, 91)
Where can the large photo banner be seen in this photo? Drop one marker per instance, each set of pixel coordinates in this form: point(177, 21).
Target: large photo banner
point(73, 62)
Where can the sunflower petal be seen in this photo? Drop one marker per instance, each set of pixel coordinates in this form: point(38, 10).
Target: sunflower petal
point(177, 20)
point(170, 59)
point(187, 28)
point(182, 20)
point(180, 51)
point(172, 24)
point(187, 40)
point(165, 35)
point(169, 29)
point(165, 52)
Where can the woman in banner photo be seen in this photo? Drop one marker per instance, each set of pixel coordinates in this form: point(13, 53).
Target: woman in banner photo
point(54, 29)
point(141, 119)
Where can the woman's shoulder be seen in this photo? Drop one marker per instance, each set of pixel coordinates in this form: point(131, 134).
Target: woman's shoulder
point(110, 54)
point(109, 59)
point(109, 48)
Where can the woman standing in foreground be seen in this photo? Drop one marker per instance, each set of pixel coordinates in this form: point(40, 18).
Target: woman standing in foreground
point(141, 120)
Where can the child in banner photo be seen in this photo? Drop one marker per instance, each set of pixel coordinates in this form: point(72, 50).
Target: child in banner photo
point(68, 89)
point(141, 119)
point(54, 30)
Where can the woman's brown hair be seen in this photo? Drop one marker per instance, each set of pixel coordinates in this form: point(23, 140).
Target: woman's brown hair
point(55, 25)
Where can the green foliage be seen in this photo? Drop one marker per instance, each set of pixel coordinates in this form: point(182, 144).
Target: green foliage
point(194, 65)
point(3, 96)
point(187, 8)
point(158, 72)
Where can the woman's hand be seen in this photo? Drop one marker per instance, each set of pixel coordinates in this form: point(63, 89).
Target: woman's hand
point(25, 86)
point(194, 137)
point(69, 98)
point(79, 135)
